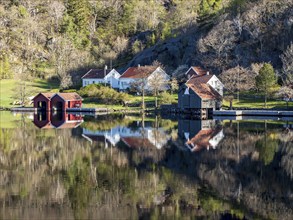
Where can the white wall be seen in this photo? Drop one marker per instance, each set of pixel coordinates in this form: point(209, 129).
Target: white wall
point(216, 84)
point(124, 83)
point(111, 78)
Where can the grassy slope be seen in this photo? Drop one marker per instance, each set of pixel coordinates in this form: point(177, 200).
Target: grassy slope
point(134, 99)
point(257, 103)
point(8, 87)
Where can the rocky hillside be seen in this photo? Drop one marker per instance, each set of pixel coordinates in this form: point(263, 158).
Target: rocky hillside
point(253, 32)
point(64, 38)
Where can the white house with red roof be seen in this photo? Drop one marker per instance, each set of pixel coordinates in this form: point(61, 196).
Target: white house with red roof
point(101, 76)
point(201, 92)
point(208, 78)
point(133, 74)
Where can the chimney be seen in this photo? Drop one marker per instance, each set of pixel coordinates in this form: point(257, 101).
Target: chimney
point(208, 73)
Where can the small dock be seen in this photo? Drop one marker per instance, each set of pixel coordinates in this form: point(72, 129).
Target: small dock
point(272, 113)
point(92, 110)
point(24, 109)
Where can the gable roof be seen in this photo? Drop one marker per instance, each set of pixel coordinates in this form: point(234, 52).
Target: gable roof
point(138, 72)
point(70, 124)
point(200, 86)
point(96, 74)
point(137, 142)
point(47, 95)
point(202, 138)
point(195, 79)
point(197, 70)
point(69, 96)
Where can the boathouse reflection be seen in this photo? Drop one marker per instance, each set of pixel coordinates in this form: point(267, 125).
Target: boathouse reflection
point(200, 134)
point(47, 119)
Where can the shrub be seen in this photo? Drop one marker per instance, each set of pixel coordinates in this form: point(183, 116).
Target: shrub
point(104, 94)
point(166, 98)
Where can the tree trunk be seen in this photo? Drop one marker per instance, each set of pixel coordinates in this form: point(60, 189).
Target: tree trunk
point(143, 107)
point(265, 100)
point(231, 104)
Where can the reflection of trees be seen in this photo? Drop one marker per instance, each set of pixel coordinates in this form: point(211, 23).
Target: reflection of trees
point(53, 168)
point(104, 123)
point(267, 147)
point(79, 185)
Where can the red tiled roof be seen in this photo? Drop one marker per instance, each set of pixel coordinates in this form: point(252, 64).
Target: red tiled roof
point(48, 95)
point(199, 70)
point(204, 91)
point(138, 72)
point(199, 79)
point(96, 74)
point(134, 142)
point(70, 96)
point(202, 138)
point(70, 124)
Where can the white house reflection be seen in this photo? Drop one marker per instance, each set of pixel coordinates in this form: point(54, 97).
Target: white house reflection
point(200, 134)
point(133, 136)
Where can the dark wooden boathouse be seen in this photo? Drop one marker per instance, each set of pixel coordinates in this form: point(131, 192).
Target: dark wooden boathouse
point(42, 101)
point(62, 101)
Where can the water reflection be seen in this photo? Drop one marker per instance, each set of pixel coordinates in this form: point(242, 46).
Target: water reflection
point(142, 167)
point(135, 134)
point(47, 119)
point(200, 134)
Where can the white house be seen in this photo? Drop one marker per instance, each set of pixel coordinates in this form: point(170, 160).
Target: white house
point(205, 77)
point(133, 74)
point(103, 76)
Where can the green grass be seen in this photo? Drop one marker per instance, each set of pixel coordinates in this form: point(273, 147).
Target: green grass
point(149, 100)
point(9, 86)
point(258, 103)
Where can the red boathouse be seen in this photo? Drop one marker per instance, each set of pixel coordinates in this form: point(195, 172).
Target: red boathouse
point(62, 101)
point(43, 101)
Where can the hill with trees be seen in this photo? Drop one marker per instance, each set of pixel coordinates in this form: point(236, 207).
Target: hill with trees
point(60, 39)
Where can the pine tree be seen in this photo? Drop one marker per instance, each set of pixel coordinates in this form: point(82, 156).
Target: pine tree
point(266, 80)
point(5, 71)
point(76, 22)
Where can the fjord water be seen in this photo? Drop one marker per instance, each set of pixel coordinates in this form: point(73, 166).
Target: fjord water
point(130, 167)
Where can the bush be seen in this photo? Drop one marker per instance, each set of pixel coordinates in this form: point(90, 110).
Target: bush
point(69, 90)
point(166, 98)
point(104, 94)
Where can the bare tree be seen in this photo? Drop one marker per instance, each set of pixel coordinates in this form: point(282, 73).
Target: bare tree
point(286, 92)
point(157, 83)
point(179, 73)
point(56, 10)
point(62, 55)
point(120, 44)
point(237, 79)
point(140, 84)
point(287, 59)
point(173, 85)
point(22, 90)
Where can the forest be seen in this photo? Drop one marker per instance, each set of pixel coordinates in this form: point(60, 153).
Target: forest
point(59, 40)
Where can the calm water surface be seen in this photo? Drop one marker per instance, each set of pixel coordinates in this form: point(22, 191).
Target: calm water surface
point(130, 167)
